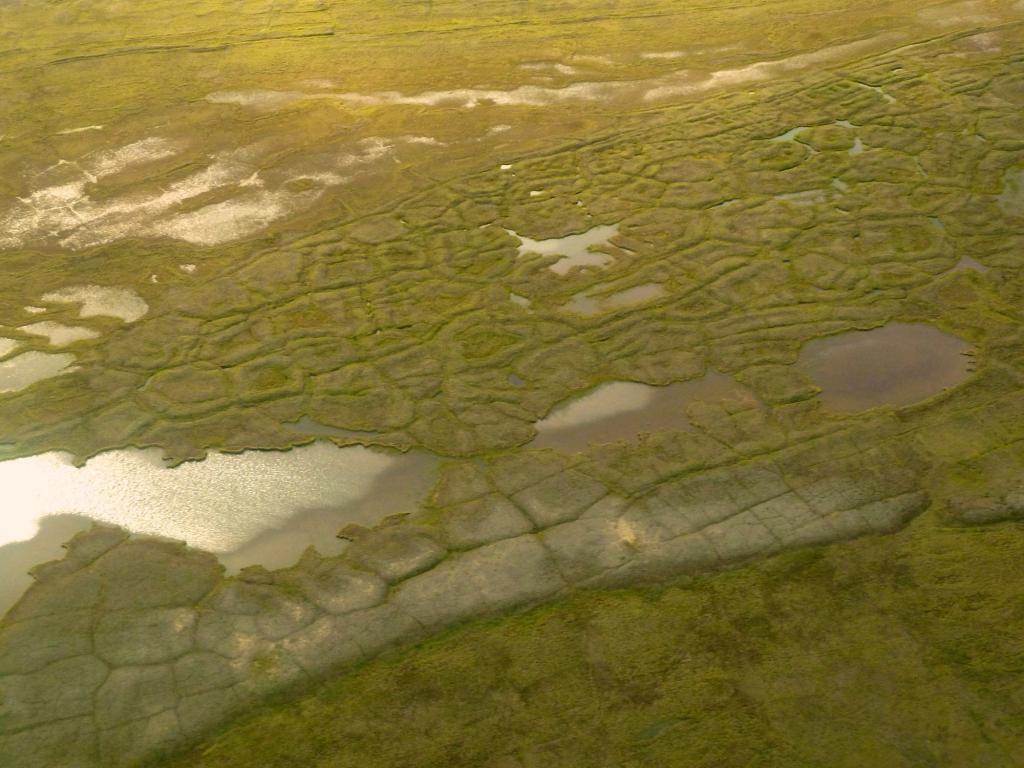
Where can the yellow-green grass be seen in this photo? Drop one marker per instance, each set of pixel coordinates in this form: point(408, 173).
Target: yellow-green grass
point(898, 651)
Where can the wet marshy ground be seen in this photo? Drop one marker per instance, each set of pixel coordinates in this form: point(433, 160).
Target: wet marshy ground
point(559, 289)
point(898, 364)
point(622, 411)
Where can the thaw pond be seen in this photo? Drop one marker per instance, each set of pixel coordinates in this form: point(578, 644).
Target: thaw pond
point(7, 346)
point(58, 334)
point(19, 557)
point(99, 301)
point(791, 134)
point(574, 249)
point(807, 197)
point(897, 364)
point(27, 368)
point(256, 507)
point(587, 305)
point(623, 410)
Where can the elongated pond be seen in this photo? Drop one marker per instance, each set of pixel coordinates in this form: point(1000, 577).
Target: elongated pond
point(623, 410)
point(255, 507)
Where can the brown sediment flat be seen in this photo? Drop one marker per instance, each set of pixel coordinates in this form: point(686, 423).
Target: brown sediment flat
point(622, 411)
point(897, 364)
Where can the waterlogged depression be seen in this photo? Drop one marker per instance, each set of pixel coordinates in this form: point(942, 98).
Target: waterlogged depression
point(381, 300)
point(681, 82)
point(623, 410)
point(575, 250)
point(255, 507)
point(898, 364)
point(24, 370)
point(62, 207)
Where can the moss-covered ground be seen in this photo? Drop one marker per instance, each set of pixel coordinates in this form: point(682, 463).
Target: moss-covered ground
point(380, 304)
point(315, 203)
point(896, 651)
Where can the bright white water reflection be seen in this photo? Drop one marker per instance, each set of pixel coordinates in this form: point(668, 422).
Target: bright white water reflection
point(29, 367)
point(254, 507)
point(98, 300)
point(7, 346)
point(575, 250)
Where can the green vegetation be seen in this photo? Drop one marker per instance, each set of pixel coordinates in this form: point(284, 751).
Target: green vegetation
point(380, 304)
point(315, 204)
point(902, 651)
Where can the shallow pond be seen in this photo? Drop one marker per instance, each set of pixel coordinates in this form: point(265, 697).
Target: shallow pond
point(522, 301)
point(622, 410)
point(807, 197)
point(897, 364)
point(18, 557)
point(7, 346)
point(635, 295)
point(58, 334)
point(587, 305)
point(27, 368)
point(791, 134)
point(98, 301)
point(255, 507)
point(574, 249)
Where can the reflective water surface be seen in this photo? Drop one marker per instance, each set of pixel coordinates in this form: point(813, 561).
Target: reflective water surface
point(7, 346)
point(253, 507)
point(18, 557)
point(586, 304)
point(897, 364)
point(98, 300)
point(58, 334)
point(623, 410)
point(27, 368)
point(574, 249)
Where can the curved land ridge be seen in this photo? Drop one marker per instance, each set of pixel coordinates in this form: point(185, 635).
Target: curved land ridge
point(132, 646)
point(397, 330)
